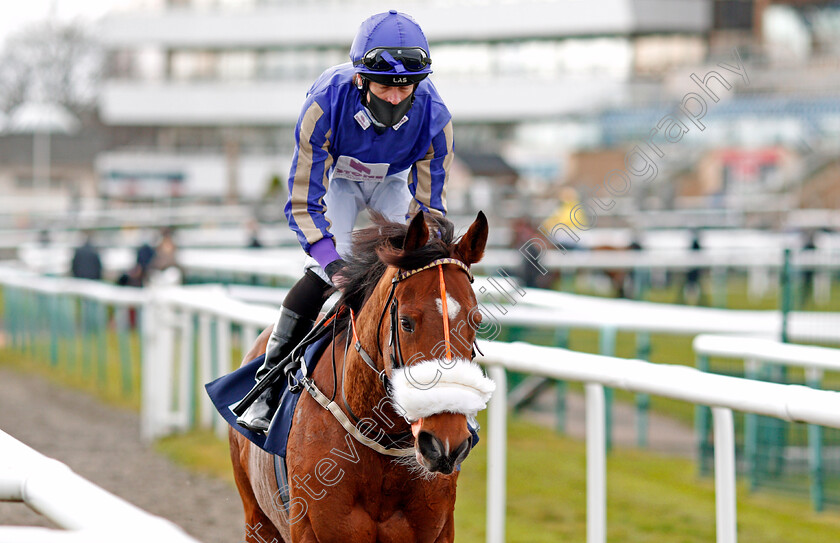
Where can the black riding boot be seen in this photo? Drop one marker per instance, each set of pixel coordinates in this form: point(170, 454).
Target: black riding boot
point(289, 330)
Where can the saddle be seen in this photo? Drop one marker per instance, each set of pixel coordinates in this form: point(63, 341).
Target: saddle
point(228, 390)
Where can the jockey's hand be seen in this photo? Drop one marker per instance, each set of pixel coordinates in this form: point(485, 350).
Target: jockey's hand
point(334, 270)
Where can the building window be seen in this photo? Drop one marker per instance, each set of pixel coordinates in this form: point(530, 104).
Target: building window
point(237, 65)
point(192, 65)
point(733, 15)
point(658, 54)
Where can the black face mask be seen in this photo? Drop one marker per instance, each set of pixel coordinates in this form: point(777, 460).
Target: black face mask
point(386, 113)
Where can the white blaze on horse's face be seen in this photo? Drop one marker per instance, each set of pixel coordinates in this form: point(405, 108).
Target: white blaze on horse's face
point(452, 306)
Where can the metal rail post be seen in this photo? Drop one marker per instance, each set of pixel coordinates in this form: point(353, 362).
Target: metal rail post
point(496, 457)
point(596, 464)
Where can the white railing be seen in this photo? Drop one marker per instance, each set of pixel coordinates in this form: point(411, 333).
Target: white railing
point(768, 350)
point(171, 316)
point(552, 309)
point(169, 346)
point(92, 290)
point(723, 394)
point(757, 354)
point(170, 359)
point(87, 513)
point(169, 349)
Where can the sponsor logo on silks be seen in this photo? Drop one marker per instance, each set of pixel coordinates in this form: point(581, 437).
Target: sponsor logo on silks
point(353, 169)
point(362, 118)
point(402, 122)
point(358, 166)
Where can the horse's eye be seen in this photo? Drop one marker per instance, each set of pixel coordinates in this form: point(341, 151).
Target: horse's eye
point(407, 324)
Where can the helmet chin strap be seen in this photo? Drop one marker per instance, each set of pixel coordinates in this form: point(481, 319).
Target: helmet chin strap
point(383, 112)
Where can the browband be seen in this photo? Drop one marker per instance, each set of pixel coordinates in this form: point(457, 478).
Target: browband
point(402, 275)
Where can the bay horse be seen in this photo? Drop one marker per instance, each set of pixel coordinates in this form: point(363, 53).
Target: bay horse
point(409, 381)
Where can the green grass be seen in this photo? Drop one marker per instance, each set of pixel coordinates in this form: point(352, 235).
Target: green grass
point(69, 371)
point(199, 450)
point(651, 498)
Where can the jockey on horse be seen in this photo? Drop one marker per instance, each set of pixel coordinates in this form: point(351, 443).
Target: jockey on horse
point(372, 133)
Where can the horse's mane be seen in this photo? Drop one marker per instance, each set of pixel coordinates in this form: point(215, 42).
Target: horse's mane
point(379, 246)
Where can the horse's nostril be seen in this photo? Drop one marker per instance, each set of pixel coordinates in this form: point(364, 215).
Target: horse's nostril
point(430, 446)
point(460, 453)
point(435, 454)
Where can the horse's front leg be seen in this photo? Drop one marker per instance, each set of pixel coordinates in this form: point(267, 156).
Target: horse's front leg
point(447, 534)
point(302, 532)
point(327, 525)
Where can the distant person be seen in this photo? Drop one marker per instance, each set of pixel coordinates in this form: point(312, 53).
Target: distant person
point(692, 291)
point(807, 274)
point(254, 229)
point(164, 267)
point(523, 231)
point(567, 201)
point(145, 256)
point(529, 275)
point(139, 273)
point(165, 252)
point(635, 277)
point(86, 261)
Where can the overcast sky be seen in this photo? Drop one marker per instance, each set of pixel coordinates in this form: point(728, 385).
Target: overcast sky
point(17, 14)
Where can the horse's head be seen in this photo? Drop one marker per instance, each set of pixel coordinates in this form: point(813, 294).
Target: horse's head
point(429, 339)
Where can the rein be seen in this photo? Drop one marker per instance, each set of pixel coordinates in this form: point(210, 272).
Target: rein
point(397, 360)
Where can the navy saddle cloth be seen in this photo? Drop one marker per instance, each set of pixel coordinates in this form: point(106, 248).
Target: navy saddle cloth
point(226, 392)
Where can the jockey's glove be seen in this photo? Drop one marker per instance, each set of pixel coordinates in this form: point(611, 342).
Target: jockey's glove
point(333, 269)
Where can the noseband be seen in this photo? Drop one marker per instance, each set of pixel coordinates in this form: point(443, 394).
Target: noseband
point(397, 360)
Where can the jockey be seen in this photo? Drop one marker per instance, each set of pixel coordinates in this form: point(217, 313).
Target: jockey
point(372, 133)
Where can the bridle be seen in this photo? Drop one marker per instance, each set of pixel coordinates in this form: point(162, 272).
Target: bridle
point(391, 306)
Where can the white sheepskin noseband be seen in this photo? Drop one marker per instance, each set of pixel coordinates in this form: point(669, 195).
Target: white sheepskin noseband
point(441, 386)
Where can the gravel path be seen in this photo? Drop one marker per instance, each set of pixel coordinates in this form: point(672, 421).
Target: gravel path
point(664, 435)
point(102, 444)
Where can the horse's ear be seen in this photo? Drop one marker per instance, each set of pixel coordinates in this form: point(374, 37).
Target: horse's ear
point(471, 247)
point(417, 235)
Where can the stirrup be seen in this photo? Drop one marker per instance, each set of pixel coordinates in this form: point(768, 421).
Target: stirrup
point(295, 385)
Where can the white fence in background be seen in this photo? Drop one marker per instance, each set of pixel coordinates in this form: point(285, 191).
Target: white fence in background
point(551, 309)
point(174, 317)
point(723, 394)
point(177, 319)
point(762, 265)
point(758, 354)
point(87, 513)
point(176, 363)
point(754, 349)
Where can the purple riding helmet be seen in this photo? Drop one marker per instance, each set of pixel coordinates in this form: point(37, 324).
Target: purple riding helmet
point(390, 49)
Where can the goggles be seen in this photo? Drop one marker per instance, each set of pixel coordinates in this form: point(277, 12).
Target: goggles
point(384, 59)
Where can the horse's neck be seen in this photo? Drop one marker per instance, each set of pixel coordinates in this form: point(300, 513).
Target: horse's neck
point(362, 387)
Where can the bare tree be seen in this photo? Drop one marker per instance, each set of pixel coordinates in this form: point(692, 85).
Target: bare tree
point(51, 61)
